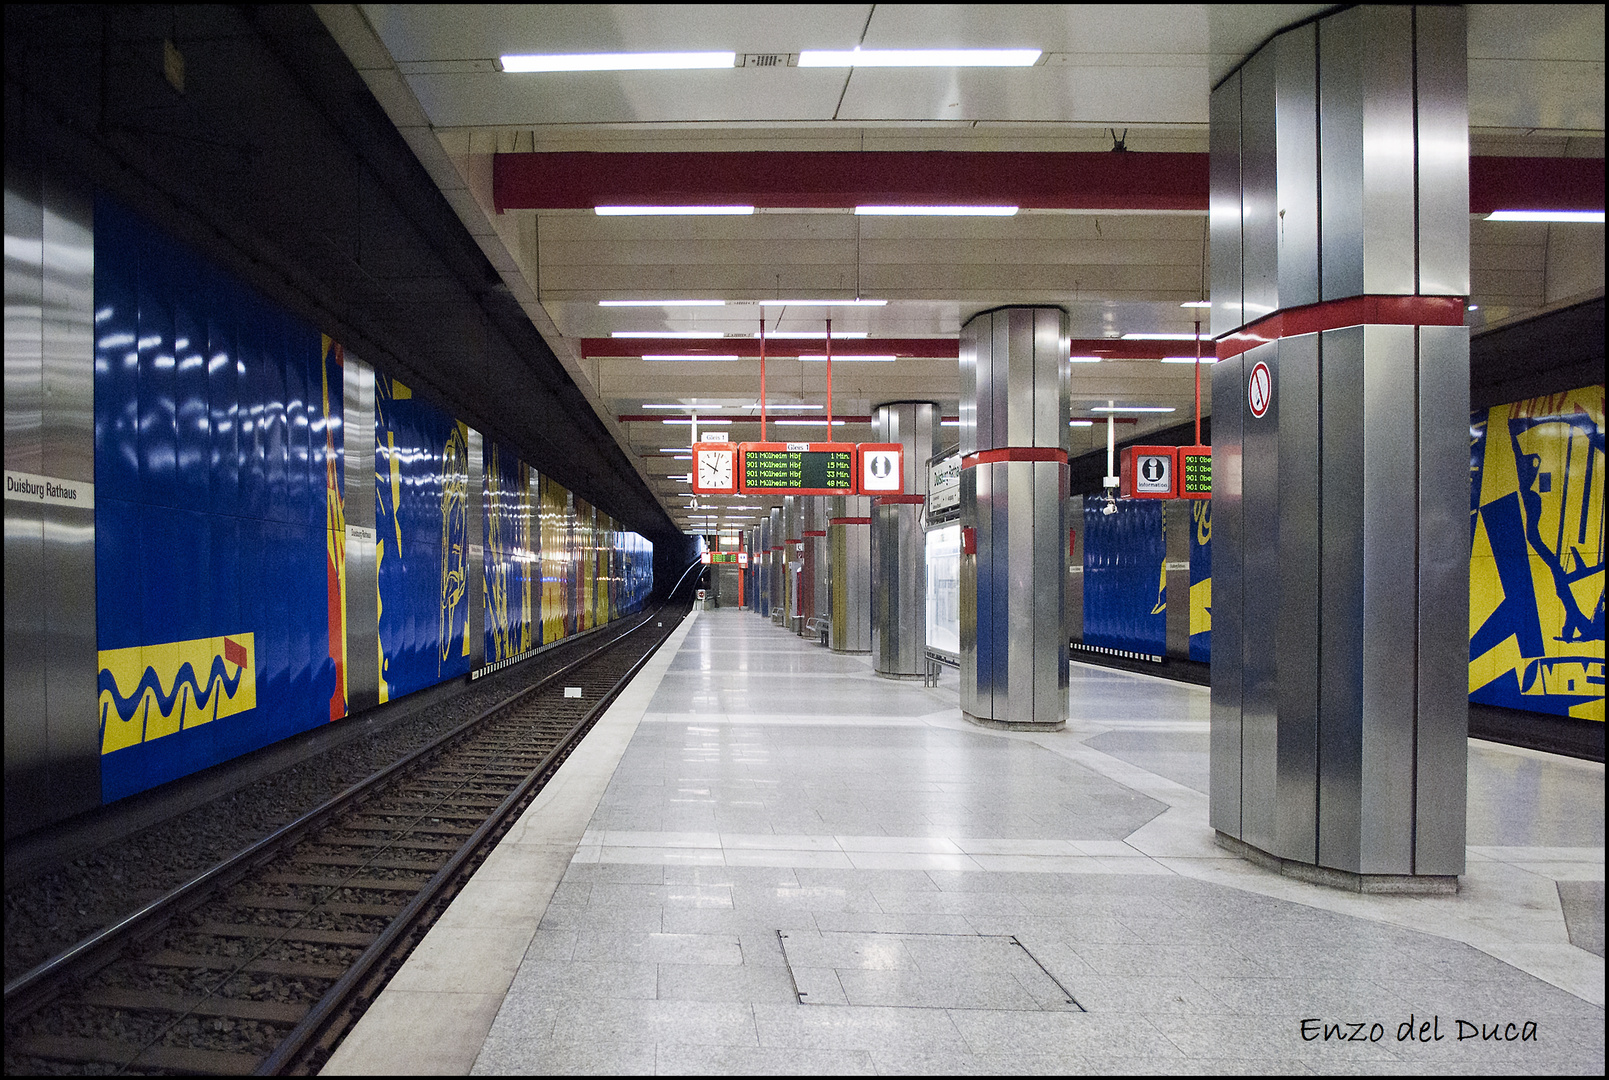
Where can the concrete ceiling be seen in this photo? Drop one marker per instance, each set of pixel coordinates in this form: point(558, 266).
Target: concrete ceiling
point(1536, 89)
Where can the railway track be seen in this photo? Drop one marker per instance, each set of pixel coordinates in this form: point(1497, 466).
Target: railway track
point(262, 963)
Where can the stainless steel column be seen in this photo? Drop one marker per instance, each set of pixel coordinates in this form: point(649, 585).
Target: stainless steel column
point(813, 533)
point(898, 544)
point(1341, 548)
point(821, 558)
point(362, 582)
point(53, 740)
point(761, 562)
point(1014, 403)
point(792, 552)
point(751, 572)
point(776, 567)
point(850, 544)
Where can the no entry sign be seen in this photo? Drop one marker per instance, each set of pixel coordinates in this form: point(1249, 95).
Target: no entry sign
point(1259, 389)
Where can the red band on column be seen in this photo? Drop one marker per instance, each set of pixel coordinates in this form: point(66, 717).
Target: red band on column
point(1352, 311)
point(895, 500)
point(815, 532)
point(850, 521)
point(1015, 453)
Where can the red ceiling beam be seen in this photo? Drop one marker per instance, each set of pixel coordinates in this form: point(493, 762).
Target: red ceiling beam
point(917, 348)
point(1049, 181)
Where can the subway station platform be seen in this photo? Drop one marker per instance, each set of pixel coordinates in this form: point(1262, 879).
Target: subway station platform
point(766, 859)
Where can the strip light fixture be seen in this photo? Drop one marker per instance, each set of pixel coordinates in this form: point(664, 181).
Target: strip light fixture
point(1083, 359)
point(661, 303)
point(669, 211)
point(667, 334)
point(1161, 337)
point(1132, 408)
point(1080, 423)
point(1197, 303)
point(809, 423)
point(814, 335)
point(823, 303)
point(858, 57)
point(937, 211)
point(702, 421)
point(525, 63)
point(1546, 215)
point(841, 358)
point(693, 358)
point(1207, 359)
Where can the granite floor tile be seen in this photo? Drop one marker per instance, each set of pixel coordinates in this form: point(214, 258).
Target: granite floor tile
point(609, 1022)
point(512, 1056)
point(681, 1060)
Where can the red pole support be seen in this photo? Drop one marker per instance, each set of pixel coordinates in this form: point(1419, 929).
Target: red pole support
point(762, 376)
point(1198, 382)
point(829, 381)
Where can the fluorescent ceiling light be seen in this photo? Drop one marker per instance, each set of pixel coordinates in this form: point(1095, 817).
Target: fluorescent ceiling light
point(1188, 359)
point(808, 423)
point(815, 335)
point(668, 211)
point(858, 57)
point(1159, 337)
point(1196, 303)
point(676, 450)
point(823, 303)
point(856, 359)
point(1080, 423)
point(667, 334)
point(681, 457)
point(937, 211)
point(1132, 408)
point(789, 408)
point(706, 421)
point(684, 408)
point(664, 61)
point(661, 303)
point(949, 423)
point(1546, 215)
point(702, 359)
point(1084, 359)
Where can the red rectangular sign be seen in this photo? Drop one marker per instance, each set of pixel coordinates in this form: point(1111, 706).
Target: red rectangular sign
point(1149, 472)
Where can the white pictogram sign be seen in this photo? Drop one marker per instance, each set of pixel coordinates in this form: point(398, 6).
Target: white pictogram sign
point(880, 471)
point(1259, 389)
point(1153, 474)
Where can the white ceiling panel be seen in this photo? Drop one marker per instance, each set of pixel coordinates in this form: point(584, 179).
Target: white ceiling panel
point(1067, 93)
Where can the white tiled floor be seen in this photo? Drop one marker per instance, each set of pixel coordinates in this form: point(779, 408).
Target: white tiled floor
point(735, 872)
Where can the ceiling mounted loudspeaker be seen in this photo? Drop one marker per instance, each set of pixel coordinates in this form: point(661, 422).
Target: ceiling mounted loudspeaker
point(768, 60)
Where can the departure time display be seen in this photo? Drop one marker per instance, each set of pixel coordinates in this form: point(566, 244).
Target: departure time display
point(798, 468)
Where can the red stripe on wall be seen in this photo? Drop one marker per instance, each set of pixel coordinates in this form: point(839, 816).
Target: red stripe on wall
point(1352, 311)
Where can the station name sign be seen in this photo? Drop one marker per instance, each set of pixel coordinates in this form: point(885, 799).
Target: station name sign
point(801, 468)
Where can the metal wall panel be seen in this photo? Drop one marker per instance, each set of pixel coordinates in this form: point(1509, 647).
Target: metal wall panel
point(1340, 104)
point(973, 622)
point(776, 563)
point(762, 560)
point(1259, 170)
point(1442, 734)
point(1075, 568)
point(1442, 107)
point(1340, 614)
point(823, 558)
point(1297, 563)
point(1176, 525)
point(475, 573)
point(27, 731)
point(1051, 386)
point(67, 428)
point(1388, 159)
point(1296, 122)
point(1020, 383)
point(1224, 224)
point(1224, 757)
point(1017, 578)
point(851, 578)
point(1259, 530)
point(996, 556)
point(1047, 595)
point(968, 346)
point(1390, 550)
point(362, 612)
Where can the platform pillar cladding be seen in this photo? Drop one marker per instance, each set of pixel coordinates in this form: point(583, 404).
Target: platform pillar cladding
point(776, 566)
point(1014, 404)
point(751, 572)
point(849, 543)
point(899, 549)
point(761, 562)
point(1340, 272)
point(792, 551)
point(814, 530)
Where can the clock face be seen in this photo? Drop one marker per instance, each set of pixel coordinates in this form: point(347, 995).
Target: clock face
point(715, 470)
